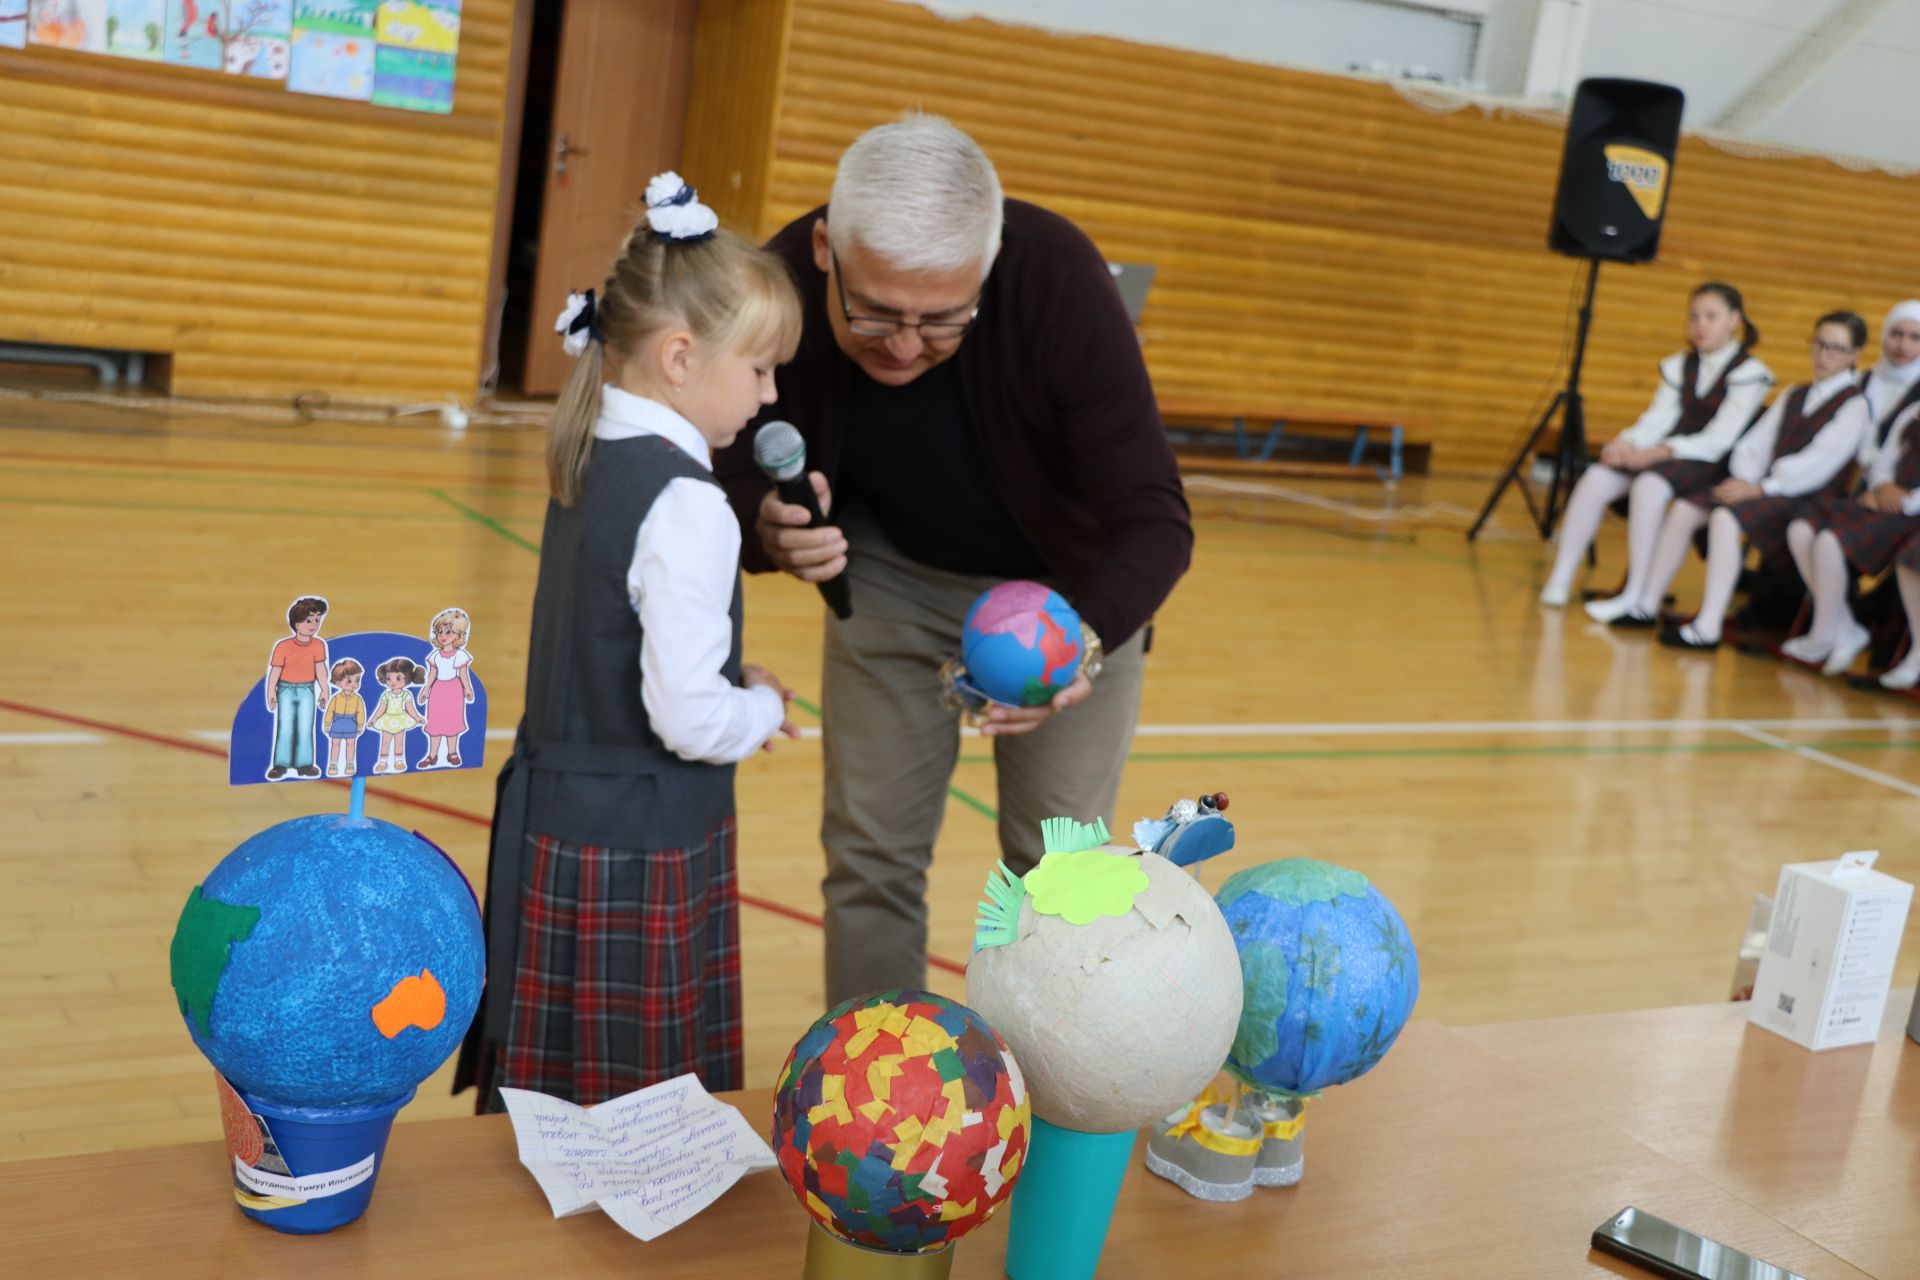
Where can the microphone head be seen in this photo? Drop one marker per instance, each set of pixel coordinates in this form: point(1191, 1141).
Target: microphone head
point(780, 451)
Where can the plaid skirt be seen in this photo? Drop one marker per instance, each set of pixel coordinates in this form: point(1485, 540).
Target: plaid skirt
point(1689, 479)
point(1909, 557)
point(1870, 539)
point(629, 971)
point(1765, 519)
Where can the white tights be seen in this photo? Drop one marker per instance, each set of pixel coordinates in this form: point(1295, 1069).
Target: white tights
point(1598, 489)
point(1823, 567)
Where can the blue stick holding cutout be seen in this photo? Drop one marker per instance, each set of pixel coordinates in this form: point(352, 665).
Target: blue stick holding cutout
point(357, 801)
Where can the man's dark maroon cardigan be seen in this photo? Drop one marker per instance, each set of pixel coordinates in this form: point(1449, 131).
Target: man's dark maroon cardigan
point(1059, 394)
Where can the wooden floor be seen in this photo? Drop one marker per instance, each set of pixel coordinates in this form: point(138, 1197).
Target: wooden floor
point(1571, 820)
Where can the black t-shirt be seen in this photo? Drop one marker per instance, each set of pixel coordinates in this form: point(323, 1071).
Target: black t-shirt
point(914, 461)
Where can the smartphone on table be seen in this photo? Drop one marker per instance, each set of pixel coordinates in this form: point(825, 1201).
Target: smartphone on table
point(1672, 1251)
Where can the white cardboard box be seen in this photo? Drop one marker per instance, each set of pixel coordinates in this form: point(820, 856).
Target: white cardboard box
point(1836, 928)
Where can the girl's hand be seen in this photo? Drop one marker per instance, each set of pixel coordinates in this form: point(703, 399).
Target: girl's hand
point(757, 677)
point(1614, 453)
point(753, 676)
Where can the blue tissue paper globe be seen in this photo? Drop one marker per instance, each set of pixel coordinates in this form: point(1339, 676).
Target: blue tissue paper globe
point(1021, 644)
point(353, 961)
point(1330, 974)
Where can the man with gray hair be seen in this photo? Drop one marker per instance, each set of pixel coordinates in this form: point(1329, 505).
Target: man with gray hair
point(976, 410)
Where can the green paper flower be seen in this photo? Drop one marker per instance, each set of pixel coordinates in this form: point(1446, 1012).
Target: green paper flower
point(1081, 887)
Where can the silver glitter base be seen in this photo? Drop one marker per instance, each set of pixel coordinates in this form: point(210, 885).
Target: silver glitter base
point(1223, 1193)
point(1283, 1176)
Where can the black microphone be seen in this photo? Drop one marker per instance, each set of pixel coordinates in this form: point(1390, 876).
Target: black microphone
point(782, 454)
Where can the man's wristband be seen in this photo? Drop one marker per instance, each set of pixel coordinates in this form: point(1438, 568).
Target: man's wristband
point(1092, 653)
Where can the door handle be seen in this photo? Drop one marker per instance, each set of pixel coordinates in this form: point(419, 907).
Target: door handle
point(562, 148)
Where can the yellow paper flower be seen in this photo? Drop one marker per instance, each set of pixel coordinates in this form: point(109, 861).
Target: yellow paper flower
point(1081, 887)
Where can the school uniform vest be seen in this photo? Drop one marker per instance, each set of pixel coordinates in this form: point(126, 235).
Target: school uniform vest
point(1906, 468)
point(1885, 423)
point(1798, 429)
point(599, 773)
point(1696, 410)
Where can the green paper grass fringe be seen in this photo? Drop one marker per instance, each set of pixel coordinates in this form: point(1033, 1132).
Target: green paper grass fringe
point(999, 920)
point(1064, 835)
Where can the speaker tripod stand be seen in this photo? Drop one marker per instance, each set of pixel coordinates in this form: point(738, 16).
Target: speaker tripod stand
point(1570, 458)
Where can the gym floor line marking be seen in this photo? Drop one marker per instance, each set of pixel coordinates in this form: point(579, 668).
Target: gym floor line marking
point(189, 473)
point(241, 471)
point(1831, 761)
point(483, 518)
point(214, 509)
point(769, 905)
point(1411, 728)
point(1418, 728)
point(1469, 753)
point(293, 433)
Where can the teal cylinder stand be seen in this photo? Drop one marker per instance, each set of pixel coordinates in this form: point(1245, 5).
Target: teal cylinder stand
point(1064, 1201)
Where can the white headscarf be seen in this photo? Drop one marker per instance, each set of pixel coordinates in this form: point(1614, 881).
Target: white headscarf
point(1887, 372)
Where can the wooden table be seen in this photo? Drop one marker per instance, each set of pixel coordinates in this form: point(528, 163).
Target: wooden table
point(1826, 1143)
point(1486, 1152)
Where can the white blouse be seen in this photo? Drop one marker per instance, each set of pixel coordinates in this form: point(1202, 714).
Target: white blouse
point(1746, 388)
point(1822, 459)
point(1881, 472)
point(686, 558)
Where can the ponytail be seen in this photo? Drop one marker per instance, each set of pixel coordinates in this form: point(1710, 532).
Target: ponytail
point(570, 433)
point(676, 268)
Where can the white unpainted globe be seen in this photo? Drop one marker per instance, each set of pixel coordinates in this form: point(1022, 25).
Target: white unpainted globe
point(1118, 1022)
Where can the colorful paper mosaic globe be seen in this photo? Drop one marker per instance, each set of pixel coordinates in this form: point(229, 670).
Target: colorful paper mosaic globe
point(1115, 980)
point(1021, 644)
point(901, 1121)
point(329, 962)
point(1330, 971)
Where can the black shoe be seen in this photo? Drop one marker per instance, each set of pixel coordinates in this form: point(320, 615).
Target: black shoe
point(1632, 622)
point(1677, 638)
point(276, 773)
point(308, 771)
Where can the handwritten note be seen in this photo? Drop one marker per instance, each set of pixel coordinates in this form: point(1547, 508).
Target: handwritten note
point(649, 1160)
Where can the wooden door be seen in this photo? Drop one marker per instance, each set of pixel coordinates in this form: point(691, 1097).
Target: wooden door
point(619, 101)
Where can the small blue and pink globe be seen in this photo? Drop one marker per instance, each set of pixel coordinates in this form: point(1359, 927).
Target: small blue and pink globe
point(1021, 644)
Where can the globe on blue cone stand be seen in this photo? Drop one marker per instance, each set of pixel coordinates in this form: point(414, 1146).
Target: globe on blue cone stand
point(325, 967)
point(1063, 1203)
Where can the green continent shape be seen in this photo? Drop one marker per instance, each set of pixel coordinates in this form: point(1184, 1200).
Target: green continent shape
point(1037, 693)
point(1297, 881)
point(1082, 887)
point(202, 943)
point(1265, 971)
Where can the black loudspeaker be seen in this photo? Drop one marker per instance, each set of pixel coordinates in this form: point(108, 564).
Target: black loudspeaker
point(1616, 170)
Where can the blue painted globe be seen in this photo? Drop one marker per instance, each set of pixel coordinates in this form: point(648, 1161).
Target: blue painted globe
point(1330, 973)
point(329, 962)
point(1021, 644)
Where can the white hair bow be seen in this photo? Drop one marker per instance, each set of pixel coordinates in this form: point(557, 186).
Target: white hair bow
point(579, 322)
point(674, 210)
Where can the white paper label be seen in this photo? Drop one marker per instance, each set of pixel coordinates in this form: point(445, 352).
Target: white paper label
point(313, 1186)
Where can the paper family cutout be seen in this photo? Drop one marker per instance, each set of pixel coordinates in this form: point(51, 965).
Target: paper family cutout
point(308, 716)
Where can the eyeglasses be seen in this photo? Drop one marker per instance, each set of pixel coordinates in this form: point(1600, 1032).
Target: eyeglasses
point(882, 327)
point(1833, 348)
